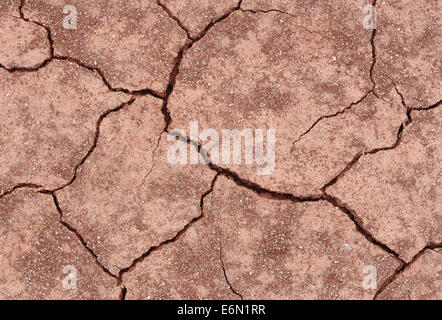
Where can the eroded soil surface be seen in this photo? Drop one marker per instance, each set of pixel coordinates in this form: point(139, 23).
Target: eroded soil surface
point(92, 96)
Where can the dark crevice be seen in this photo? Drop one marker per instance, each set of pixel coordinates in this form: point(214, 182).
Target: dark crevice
point(172, 80)
point(373, 52)
point(175, 71)
point(376, 150)
point(213, 22)
point(225, 275)
point(52, 57)
point(123, 293)
point(141, 92)
point(401, 96)
point(78, 235)
point(330, 116)
point(263, 192)
point(359, 224)
point(404, 267)
point(94, 144)
point(176, 237)
point(27, 69)
point(433, 106)
point(373, 151)
point(19, 186)
point(177, 20)
point(48, 30)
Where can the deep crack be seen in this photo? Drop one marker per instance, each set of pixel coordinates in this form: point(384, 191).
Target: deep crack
point(404, 267)
point(53, 56)
point(78, 235)
point(19, 186)
point(359, 224)
point(123, 293)
point(176, 68)
point(173, 239)
point(175, 18)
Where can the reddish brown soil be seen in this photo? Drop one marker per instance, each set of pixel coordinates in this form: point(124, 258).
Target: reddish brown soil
point(91, 207)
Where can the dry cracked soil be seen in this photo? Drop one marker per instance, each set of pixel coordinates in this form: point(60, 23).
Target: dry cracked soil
point(100, 199)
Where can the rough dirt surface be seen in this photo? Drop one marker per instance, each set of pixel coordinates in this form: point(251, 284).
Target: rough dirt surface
point(10, 8)
point(266, 249)
point(27, 50)
point(397, 192)
point(60, 97)
point(93, 207)
point(134, 43)
point(36, 249)
point(421, 281)
point(194, 16)
point(124, 199)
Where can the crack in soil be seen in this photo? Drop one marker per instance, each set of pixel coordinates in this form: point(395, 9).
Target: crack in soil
point(290, 15)
point(179, 58)
point(78, 235)
point(175, 238)
point(225, 275)
point(269, 194)
point(253, 186)
point(220, 171)
point(404, 267)
point(354, 217)
point(373, 54)
point(19, 186)
point(153, 161)
point(94, 144)
point(330, 116)
point(53, 56)
point(400, 131)
point(165, 111)
point(359, 224)
point(123, 293)
point(177, 20)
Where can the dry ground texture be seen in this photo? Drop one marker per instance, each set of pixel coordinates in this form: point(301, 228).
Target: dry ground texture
point(90, 207)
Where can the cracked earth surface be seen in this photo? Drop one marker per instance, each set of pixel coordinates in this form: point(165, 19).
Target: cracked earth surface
point(91, 208)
